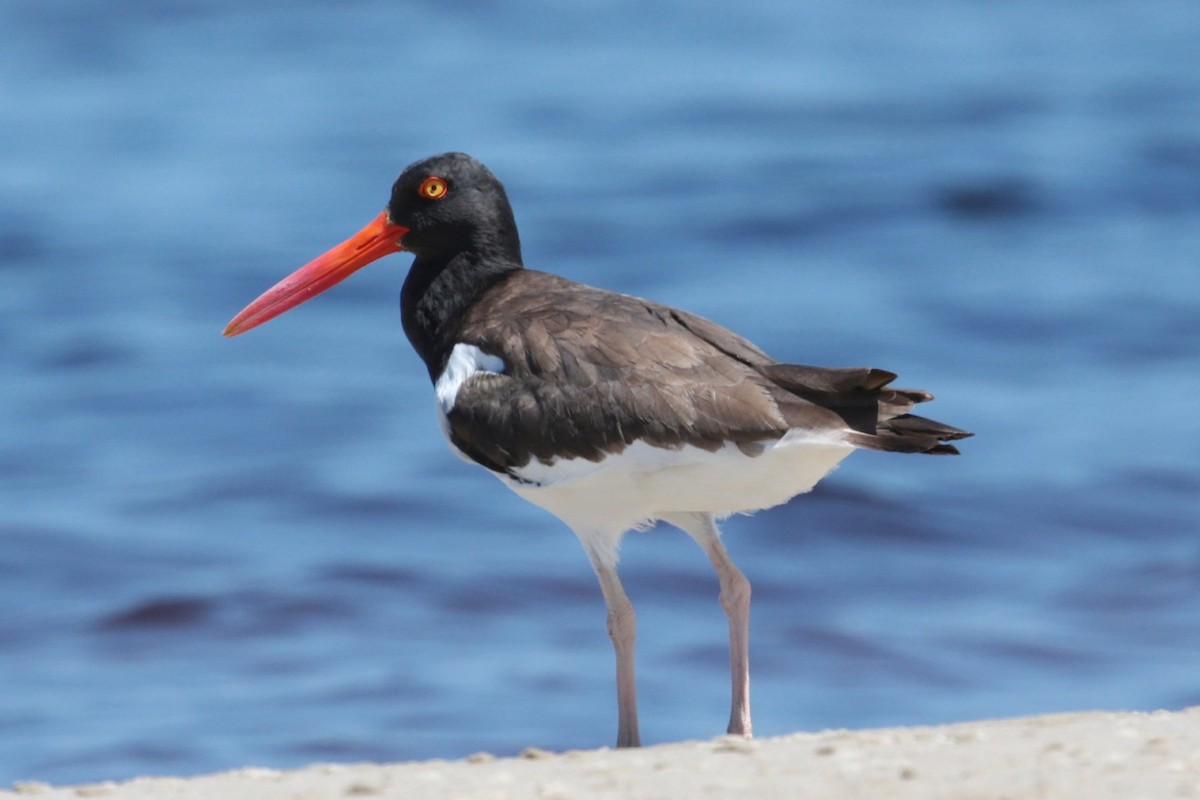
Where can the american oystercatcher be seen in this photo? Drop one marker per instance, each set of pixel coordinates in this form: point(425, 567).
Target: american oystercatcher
point(609, 411)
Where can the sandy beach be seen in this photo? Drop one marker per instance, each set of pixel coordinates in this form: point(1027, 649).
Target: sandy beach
point(1091, 755)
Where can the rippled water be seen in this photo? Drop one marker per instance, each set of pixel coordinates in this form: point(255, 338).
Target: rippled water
point(216, 553)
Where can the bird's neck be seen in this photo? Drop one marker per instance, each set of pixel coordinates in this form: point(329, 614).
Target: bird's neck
point(438, 292)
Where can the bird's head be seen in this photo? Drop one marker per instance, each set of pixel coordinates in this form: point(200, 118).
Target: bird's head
point(440, 206)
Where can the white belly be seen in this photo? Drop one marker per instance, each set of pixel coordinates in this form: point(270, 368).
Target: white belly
point(643, 483)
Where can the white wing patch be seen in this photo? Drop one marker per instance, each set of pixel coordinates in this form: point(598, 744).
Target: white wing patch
point(465, 361)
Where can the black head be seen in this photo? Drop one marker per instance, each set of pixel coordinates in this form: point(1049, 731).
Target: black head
point(451, 203)
point(449, 210)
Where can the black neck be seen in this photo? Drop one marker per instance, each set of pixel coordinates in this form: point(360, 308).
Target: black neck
point(436, 295)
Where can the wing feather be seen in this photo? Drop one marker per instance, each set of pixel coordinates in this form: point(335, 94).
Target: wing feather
point(589, 371)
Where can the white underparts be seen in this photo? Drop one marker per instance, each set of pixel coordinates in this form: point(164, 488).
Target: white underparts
point(625, 491)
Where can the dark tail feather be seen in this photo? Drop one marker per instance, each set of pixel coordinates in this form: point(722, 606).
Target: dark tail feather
point(908, 433)
point(877, 415)
point(827, 380)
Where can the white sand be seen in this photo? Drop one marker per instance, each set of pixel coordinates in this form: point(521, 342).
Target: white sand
point(1088, 756)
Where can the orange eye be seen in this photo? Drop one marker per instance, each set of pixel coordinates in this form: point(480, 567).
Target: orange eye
point(433, 188)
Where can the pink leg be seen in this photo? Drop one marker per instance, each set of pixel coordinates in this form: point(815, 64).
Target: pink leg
point(735, 599)
point(622, 629)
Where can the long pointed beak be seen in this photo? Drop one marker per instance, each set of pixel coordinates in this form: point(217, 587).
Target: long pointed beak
point(379, 238)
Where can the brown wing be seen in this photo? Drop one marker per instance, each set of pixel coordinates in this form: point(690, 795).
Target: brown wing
point(876, 414)
point(589, 371)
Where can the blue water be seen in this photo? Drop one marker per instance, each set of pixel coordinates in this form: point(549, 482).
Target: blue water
point(219, 552)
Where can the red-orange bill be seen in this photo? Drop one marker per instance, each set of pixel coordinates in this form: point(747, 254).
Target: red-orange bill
point(379, 238)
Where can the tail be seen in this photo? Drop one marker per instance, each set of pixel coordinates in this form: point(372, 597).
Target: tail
point(877, 415)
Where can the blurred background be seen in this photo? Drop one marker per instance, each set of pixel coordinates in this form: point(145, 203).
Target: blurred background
point(217, 553)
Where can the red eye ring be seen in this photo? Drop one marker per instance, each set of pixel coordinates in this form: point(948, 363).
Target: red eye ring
point(433, 188)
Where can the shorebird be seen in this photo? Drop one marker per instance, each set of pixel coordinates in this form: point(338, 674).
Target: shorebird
point(609, 411)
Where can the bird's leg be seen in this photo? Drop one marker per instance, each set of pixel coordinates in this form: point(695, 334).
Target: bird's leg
point(622, 629)
point(735, 599)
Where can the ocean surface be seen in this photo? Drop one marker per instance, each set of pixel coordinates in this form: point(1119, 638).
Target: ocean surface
point(217, 553)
